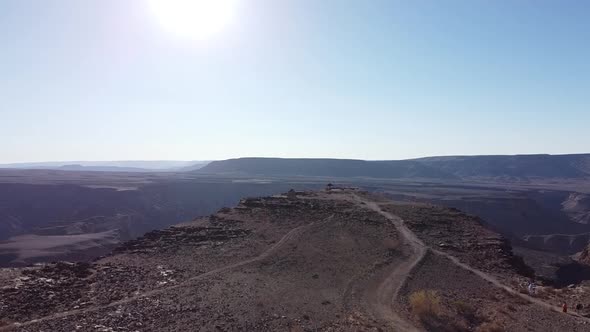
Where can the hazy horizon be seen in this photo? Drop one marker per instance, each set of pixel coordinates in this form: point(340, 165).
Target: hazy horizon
point(189, 161)
point(379, 80)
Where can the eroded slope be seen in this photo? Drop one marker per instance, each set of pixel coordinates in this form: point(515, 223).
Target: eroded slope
point(315, 261)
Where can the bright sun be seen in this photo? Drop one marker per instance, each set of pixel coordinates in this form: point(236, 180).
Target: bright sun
point(195, 19)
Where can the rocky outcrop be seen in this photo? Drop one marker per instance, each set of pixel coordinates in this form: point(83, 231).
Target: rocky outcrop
point(176, 236)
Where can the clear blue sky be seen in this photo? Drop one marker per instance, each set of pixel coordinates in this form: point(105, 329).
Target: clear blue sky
point(102, 80)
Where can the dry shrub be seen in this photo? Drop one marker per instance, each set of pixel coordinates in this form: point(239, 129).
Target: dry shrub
point(490, 327)
point(463, 308)
point(425, 304)
point(467, 312)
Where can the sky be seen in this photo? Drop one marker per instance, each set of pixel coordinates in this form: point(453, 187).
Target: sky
point(379, 79)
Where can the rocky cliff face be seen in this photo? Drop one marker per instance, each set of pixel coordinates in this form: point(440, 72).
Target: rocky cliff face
point(584, 256)
point(559, 243)
point(577, 206)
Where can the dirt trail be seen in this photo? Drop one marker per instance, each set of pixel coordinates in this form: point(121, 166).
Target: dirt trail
point(494, 281)
point(421, 249)
point(291, 235)
point(382, 297)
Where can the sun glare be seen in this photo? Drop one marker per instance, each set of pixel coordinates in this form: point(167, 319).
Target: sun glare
point(194, 19)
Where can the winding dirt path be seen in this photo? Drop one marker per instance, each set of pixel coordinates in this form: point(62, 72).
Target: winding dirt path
point(420, 250)
point(382, 297)
point(291, 235)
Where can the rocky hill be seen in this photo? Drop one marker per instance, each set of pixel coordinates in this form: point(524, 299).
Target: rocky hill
point(339, 260)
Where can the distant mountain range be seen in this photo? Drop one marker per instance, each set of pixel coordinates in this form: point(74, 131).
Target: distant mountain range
point(453, 167)
point(501, 167)
point(113, 166)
